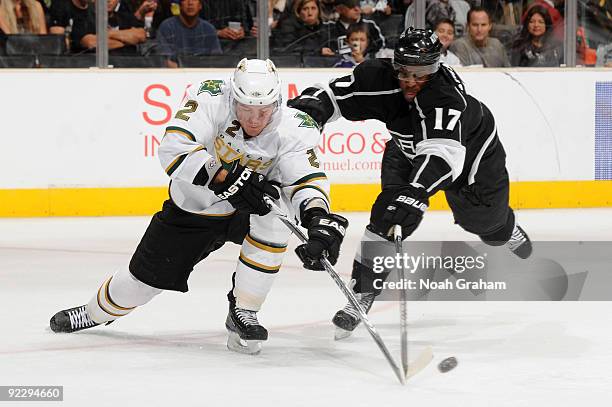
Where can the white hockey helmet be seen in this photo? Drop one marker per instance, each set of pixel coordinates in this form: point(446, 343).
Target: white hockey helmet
point(255, 82)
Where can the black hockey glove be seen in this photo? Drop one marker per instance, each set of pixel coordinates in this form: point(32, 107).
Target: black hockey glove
point(245, 189)
point(316, 103)
point(404, 206)
point(325, 234)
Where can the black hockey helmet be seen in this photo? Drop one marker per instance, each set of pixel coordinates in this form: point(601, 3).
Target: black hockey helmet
point(417, 48)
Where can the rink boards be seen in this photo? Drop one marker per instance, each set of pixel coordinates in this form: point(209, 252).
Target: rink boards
point(85, 142)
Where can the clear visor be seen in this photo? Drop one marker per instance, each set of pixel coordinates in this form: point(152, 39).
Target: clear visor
point(407, 72)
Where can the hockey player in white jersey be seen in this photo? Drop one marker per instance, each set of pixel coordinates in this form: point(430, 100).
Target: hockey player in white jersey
point(229, 144)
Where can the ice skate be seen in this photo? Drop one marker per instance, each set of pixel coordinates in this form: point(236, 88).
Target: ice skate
point(245, 332)
point(71, 320)
point(519, 243)
point(347, 319)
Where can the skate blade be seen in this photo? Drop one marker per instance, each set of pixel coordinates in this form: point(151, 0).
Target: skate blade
point(340, 334)
point(237, 344)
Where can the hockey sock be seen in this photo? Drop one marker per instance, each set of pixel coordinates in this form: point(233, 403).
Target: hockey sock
point(257, 267)
point(118, 296)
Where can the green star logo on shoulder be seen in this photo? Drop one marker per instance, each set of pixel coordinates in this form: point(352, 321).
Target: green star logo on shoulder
point(307, 121)
point(211, 86)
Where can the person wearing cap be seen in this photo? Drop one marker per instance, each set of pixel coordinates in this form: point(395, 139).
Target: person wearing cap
point(442, 138)
point(349, 12)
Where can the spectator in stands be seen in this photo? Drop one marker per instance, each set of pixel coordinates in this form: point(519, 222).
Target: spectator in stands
point(350, 13)
point(369, 8)
point(555, 15)
point(478, 48)
point(303, 30)
point(445, 29)
point(64, 14)
point(125, 32)
point(144, 8)
point(277, 9)
point(604, 55)
point(328, 11)
point(22, 17)
point(357, 38)
point(145, 12)
point(436, 10)
point(596, 19)
point(163, 11)
point(188, 34)
point(461, 8)
point(4, 27)
point(233, 37)
point(536, 45)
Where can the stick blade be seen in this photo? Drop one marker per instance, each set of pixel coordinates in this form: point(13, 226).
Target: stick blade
point(420, 363)
point(340, 334)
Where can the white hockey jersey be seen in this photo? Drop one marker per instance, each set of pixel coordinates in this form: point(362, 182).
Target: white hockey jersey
point(205, 135)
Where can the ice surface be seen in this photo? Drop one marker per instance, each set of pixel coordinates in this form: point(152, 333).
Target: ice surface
point(172, 351)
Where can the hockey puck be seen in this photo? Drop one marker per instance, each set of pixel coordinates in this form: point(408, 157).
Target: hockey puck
point(447, 364)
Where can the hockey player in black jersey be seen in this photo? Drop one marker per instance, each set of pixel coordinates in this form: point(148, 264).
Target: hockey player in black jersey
point(442, 139)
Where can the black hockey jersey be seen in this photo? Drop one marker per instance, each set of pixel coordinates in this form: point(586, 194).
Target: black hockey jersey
point(443, 132)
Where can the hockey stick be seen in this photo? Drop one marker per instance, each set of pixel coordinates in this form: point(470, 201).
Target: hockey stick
point(397, 237)
point(426, 355)
point(347, 293)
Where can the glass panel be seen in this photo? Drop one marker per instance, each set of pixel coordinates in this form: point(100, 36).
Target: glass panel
point(40, 33)
point(324, 34)
point(538, 34)
point(228, 33)
point(76, 21)
point(594, 33)
point(313, 33)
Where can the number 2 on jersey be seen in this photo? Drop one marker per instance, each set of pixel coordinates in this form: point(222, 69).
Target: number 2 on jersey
point(455, 114)
point(190, 107)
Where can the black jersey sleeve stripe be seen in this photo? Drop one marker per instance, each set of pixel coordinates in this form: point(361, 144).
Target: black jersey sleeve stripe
point(366, 93)
point(202, 176)
point(175, 164)
point(310, 177)
point(181, 131)
point(421, 168)
point(430, 172)
point(304, 186)
point(439, 181)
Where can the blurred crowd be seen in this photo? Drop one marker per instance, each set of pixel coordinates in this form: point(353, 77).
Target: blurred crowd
point(343, 33)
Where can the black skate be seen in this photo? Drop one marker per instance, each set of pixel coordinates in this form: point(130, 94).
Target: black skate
point(245, 332)
point(347, 319)
point(519, 243)
point(71, 320)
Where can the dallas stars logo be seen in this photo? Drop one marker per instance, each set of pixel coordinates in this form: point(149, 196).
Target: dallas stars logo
point(307, 121)
point(213, 87)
